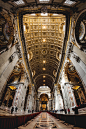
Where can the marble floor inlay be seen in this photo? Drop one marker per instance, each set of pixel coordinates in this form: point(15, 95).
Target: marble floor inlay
point(46, 121)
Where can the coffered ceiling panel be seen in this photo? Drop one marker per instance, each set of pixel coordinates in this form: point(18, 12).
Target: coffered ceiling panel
point(44, 37)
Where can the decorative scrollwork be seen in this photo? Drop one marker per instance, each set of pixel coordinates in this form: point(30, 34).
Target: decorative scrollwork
point(6, 29)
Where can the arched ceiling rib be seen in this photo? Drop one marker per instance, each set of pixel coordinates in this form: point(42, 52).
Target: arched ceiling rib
point(44, 79)
point(65, 5)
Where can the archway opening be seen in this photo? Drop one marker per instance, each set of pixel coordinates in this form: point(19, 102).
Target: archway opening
point(44, 102)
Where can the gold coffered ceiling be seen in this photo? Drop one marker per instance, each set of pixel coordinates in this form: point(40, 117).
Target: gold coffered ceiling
point(44, 37)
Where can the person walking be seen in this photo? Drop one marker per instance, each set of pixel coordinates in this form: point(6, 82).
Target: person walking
point(65, 111)
point(16, 109)
point(68, 111)
point(12, 109)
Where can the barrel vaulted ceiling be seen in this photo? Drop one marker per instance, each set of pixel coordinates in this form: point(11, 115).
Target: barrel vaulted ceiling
point(43, 38)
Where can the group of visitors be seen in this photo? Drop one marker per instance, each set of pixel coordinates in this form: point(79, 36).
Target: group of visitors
point(15, 109)
point(67, 110)
point(30, 111)
point(12, 109)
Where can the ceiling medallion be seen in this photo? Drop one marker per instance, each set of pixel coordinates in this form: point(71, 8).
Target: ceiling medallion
point(44, 51)
point(44, 9)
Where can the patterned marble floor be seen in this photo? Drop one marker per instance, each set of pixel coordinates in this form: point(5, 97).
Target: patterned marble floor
point(46, 121)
